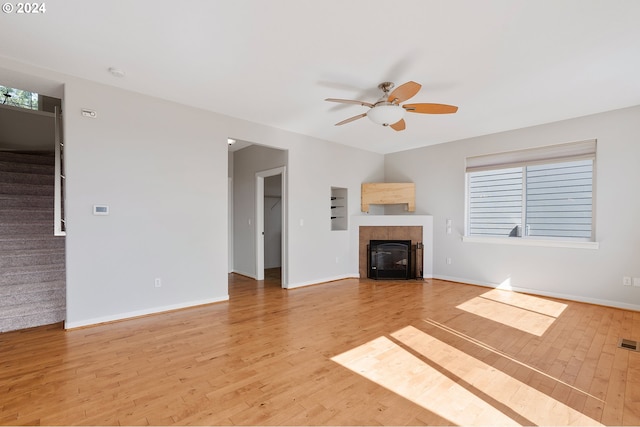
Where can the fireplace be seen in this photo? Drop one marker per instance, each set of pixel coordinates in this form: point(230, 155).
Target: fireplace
point(390, 259)
point(417, 228)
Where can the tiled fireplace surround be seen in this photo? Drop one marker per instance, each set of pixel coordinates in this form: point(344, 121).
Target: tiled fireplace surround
point(417, 228)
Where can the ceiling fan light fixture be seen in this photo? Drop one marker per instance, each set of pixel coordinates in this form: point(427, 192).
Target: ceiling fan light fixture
point(386, 114)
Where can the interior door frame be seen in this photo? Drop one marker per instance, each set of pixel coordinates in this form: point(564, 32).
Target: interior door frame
point(230, 245)
point(259, 238)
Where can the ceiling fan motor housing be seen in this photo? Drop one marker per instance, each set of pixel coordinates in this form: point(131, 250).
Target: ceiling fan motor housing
point(386, 87)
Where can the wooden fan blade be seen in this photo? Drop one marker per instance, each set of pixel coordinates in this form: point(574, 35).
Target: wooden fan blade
point(350, 119)
point(400, 125)
point(350, 101)
point(404, 92)
point(430, 108)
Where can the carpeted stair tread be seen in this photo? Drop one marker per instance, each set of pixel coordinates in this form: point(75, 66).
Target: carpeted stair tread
point(30, 158)
point(31, 258)
point(37, 169)
point(44, 274)
point(23, 299)
point(22, 293)
point(31, 242)
point(28, 252)
point(26, 309)
point(31, 287)
point(21, 201)
point(24, 322)
point(38, 228)
point(35, 314)
point(30, 269)
point(26, 189)
point(27, 217)
point(26, 220)
point(25, 214)
point(25, 178)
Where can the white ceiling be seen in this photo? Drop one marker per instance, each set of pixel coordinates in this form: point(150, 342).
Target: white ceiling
point(506, 63)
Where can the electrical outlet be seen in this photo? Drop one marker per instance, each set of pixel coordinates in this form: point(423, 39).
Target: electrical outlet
point(158, 282)
point(636, 282)
point(449, 261)
point(626, 281)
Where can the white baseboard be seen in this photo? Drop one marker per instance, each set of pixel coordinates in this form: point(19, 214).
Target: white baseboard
point(139, 313)
point(577, 298)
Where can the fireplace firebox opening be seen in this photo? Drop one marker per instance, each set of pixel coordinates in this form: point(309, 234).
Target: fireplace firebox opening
point(391, 259)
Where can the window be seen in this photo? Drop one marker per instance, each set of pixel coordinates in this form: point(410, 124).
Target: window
point(542, 193)
point(18, 98)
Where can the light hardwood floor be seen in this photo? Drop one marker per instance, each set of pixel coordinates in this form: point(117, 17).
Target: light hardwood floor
point(350, 352)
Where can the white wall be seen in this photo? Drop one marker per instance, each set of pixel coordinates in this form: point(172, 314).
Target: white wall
point(582, 274)
point(162, 169)
point(316, 253)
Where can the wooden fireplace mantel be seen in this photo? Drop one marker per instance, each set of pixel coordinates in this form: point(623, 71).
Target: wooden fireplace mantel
point(388, 193)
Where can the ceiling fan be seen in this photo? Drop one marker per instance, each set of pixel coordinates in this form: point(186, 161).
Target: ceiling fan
point(387, 111)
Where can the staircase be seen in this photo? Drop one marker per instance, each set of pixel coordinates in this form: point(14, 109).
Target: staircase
point(32, 259)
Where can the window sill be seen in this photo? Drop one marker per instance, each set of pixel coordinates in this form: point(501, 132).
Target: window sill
point(519, 241)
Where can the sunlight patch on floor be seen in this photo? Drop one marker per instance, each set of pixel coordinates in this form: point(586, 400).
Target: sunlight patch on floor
point(526, 302)
point(525, 312)
point(394, 368)
point(506, 284)
point(527, 401)
point(453, 384)
point(506, 356)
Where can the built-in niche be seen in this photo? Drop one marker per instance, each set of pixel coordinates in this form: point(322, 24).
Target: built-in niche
point(339, 211)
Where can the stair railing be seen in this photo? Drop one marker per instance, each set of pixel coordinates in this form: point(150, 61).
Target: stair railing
point(60, 225)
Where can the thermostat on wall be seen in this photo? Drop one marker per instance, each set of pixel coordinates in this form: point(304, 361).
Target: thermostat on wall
point(100, 210)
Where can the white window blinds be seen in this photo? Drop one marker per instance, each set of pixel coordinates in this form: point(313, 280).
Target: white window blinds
point(546, 154)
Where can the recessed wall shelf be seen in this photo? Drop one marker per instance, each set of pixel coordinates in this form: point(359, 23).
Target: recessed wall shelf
point(338, 208)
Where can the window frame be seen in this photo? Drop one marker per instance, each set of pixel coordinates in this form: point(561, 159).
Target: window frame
point(557, 153)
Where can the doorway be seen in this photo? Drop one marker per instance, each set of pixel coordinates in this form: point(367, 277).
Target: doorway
point(271, 202)
point(273, 226)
